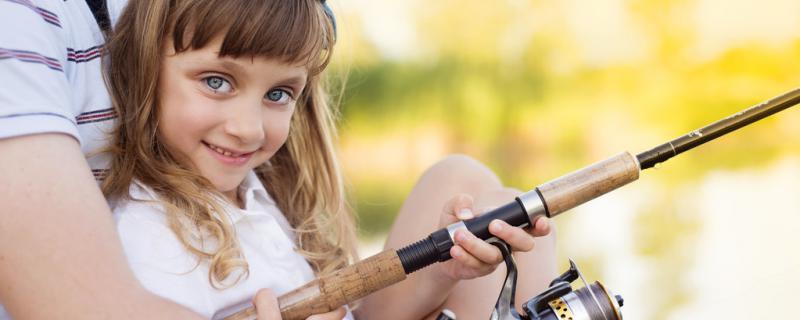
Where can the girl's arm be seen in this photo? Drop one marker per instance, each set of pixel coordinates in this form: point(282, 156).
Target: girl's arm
point(60, 257)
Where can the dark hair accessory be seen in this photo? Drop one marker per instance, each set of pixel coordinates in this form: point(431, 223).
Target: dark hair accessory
point(329, 13)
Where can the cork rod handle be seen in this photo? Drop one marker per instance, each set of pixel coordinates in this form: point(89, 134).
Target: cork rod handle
point(336, 289)
point(572, 190)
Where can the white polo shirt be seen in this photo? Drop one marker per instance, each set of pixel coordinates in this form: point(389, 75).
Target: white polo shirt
point(163, 266)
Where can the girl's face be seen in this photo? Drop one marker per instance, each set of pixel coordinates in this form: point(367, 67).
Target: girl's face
point(225, 116)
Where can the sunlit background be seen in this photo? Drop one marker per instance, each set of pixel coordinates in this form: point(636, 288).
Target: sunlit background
point(536, 89)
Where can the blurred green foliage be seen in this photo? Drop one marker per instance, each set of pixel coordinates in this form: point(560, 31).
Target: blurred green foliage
point(532, 91)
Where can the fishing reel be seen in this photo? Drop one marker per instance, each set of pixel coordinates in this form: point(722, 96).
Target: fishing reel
point(559, 302)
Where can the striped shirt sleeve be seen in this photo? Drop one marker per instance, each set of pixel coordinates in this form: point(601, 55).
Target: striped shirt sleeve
point(35, 95)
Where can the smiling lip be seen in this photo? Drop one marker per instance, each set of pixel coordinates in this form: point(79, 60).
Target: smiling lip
point(227, 156)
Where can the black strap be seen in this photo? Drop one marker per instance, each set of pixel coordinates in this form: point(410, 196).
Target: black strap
point(100, 12)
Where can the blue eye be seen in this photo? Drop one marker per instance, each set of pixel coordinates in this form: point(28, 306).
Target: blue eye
point(218, 84)
point(278, 95)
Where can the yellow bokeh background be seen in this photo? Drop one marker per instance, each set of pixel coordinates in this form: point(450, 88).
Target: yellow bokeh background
point(536, 89)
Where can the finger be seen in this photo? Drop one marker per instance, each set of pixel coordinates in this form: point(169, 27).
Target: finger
point(517, 238)
point(266, 305)
point(478, 248)
point(541, 227)
point(337, 314)
point(457, 208)
point(468, 260)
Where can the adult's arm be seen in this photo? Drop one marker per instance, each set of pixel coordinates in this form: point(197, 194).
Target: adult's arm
point(60, 257)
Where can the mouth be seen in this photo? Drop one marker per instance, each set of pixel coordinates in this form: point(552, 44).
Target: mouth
point(229, 156)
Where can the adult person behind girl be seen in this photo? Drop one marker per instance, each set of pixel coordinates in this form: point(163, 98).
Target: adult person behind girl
point(223, 175)
point(60, 257)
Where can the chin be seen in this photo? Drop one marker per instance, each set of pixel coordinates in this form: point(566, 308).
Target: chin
point(228, 184)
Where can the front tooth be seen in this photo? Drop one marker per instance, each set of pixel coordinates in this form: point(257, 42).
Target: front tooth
point(222, 151)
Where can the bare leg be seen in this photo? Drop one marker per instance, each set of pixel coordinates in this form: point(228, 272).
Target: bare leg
point(419, 216)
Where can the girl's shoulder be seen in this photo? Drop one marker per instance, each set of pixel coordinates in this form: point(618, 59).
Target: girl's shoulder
point(145, 232)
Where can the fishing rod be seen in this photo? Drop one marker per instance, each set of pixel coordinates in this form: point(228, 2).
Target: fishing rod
point(547, 200)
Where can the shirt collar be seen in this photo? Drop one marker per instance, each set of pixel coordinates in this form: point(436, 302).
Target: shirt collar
point(251, 189)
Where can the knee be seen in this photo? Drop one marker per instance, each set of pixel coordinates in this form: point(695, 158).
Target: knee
point(492, 198)
point(465, 172)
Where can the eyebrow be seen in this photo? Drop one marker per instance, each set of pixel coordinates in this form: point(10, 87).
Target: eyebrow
point(296, 81)
point(235, 67)
point(231, 65)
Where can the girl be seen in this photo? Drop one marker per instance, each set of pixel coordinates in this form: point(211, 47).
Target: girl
point(223, 178)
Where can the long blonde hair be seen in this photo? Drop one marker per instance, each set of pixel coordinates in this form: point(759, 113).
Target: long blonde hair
point(303, 176)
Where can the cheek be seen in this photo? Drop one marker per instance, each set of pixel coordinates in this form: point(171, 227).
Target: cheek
point(183, 118)
point(276, 129)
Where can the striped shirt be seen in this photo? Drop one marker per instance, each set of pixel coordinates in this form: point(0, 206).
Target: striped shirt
point(50, 66)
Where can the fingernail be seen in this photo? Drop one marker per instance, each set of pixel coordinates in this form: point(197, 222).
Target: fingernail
point(460, 237)
point(497, 226)
point(464, 214)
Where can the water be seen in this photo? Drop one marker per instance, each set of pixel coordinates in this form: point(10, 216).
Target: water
point(722, 247)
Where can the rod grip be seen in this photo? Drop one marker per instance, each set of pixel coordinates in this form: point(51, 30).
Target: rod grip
point(336, 289)
point(573, 189)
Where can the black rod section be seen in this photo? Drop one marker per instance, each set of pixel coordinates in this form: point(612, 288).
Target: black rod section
point(436, 247)
point(661, 153)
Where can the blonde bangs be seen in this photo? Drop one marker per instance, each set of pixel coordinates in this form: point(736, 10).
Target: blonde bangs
point(295, 32)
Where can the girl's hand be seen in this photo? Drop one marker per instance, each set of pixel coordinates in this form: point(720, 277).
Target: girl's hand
point(473, 257)
point(267, 308)
point(337, 314)
point(266, 304)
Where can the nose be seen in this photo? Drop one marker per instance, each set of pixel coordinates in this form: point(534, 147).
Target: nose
point(246, 124)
